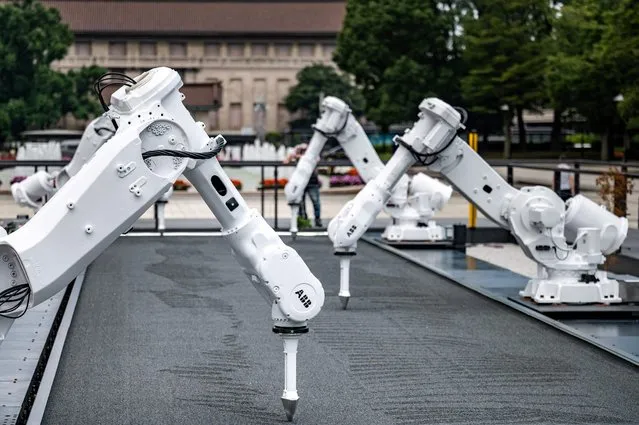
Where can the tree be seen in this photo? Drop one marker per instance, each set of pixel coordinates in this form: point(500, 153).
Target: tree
point(314, 80)
point(578, 76)
point(32, 95)
point(505, 54)
point(401, 51)
point(619, 52)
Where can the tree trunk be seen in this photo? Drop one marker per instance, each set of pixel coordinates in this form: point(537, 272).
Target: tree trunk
point(522, 128)
point(627, 142)
point(507, 135)
point(555, 134)
point(604, 146)
point(608, 143)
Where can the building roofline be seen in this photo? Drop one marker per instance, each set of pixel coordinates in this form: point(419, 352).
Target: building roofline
point(329, 36)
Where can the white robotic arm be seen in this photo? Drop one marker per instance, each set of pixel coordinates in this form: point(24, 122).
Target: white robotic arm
point(336, 120)
point(536, 216)
point(32, 190)
point(412, 201)
point(156, 142)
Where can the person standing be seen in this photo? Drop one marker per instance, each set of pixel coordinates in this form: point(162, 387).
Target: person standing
point(313, 191)
point(312, 188)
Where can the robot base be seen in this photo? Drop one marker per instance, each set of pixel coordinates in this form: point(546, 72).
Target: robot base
point(567, 290)
point(412, 233)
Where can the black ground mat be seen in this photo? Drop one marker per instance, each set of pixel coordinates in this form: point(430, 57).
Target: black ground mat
point(169, 331)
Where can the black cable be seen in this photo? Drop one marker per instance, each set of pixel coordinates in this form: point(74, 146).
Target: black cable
point(118, 79)
point(15, 296)
point(423, 157)
point(557, 247)
point(327, 135)
point(108, 80)
point(221, 142)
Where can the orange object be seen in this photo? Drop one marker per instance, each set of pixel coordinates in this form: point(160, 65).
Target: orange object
point(237, 183)
point(181, 185)
point(352, 172)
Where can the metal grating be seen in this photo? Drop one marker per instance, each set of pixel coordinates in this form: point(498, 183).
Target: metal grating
point(20, 353)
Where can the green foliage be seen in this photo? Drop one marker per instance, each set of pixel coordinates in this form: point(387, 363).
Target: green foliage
point(505, 48)
point(311, 82)
point(303, 223)
point(274, 138)
point(82, 100)
point(619, 52)
point(582, 138)
point(32, 95)
point(505, 45)
point(577, 77)
point(400, 51)
point(595, 59)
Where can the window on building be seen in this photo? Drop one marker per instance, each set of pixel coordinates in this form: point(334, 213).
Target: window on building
point(282, 88)
point(283, 49)
point(177, 50)
point(236, 50)
point(259, 90)
point(148, 49)
point(83, 48)
point(117, 49)
point(235, 116)
point(203, 117)
point(283, 117)
point(307, 50)
point(212, 49)
point(214, 121)
point(259, 49)
point(329, 49)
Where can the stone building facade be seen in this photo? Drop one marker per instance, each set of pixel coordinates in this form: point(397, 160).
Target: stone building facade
point(253, 49)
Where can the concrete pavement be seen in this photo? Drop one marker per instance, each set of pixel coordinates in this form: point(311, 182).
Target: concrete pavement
point(189, 205)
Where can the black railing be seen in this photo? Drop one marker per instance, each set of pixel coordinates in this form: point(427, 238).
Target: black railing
point(276, 165)
point(511, 165)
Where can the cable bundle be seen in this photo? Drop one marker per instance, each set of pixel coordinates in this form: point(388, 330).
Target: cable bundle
point(118, 79)
point(422, 157)
point(111, 79)
point(220, 143)
point(13, 298)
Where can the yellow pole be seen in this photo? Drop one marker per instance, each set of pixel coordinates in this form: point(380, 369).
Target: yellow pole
point(473, 139)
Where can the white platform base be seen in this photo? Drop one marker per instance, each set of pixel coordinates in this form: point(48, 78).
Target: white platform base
point(568, 290)
point(404, 232)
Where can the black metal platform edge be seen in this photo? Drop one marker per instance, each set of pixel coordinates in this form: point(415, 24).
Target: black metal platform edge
point(447, 244)
point(34, 385)
point(477, 235)
point(623, 311)
point(502, 300)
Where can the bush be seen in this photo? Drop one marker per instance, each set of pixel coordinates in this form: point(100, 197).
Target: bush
point(614, 188)
point(345, 180)
point(303, 223)
point(584, 138)
point(270, 183)
point(237, 183)
point(274, 138)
